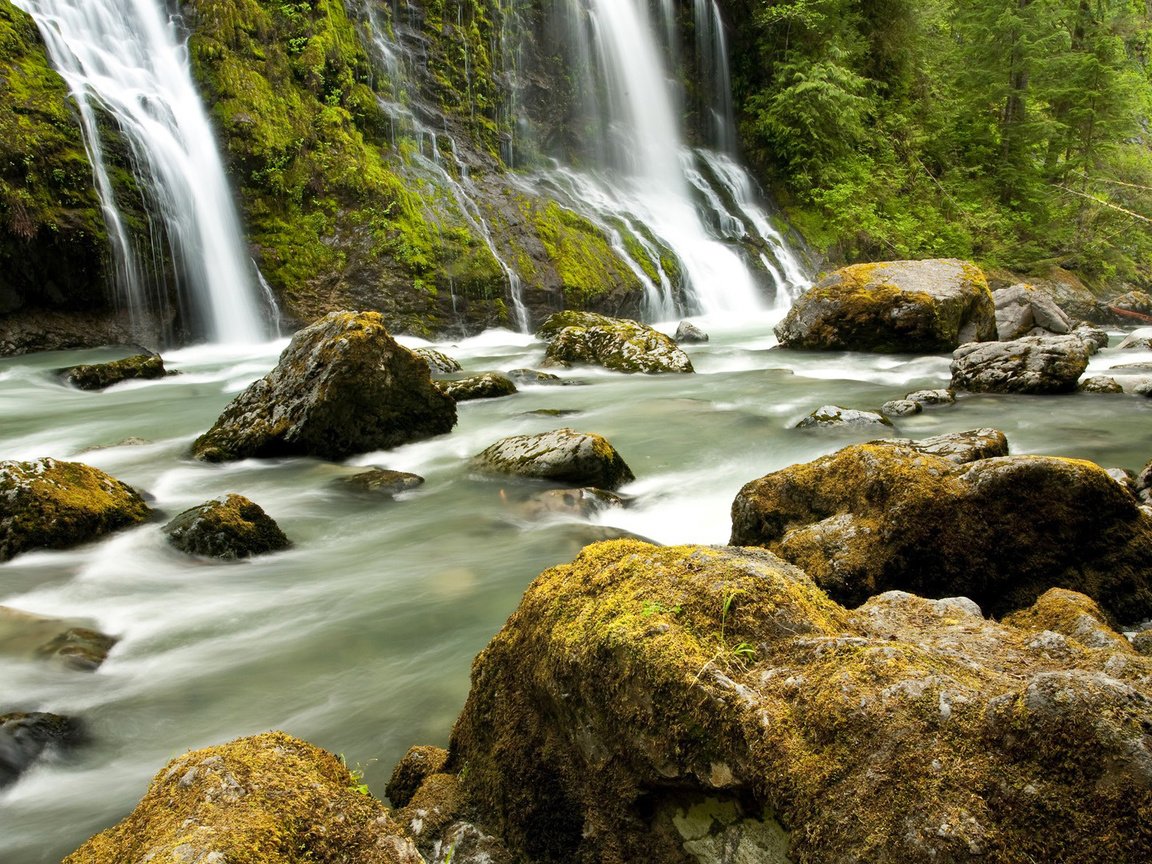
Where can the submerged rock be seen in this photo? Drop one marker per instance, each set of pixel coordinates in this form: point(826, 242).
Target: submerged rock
point(663, 704)
point(55, 505)
point(490, 385)
point(1003, 530)
point(343, 386)
point(916, 307)
point(534, 376)
point(1034, 364)
point(72, 646)
point(270, 799)
point(437, 360)
point(563, 456)
point(101, 375)
point(380, 481)
point(614, 343)
point(835, 417)
point(25, 737)
point(228, 527)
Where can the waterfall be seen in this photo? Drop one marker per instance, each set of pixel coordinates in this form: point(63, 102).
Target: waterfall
point(122, 59)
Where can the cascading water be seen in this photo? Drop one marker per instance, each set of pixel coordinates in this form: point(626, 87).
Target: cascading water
point(122, 58)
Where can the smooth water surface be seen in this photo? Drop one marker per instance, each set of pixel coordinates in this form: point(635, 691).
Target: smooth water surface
point(360, 638)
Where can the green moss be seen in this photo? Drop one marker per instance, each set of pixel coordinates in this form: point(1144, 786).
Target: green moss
point(588, 268)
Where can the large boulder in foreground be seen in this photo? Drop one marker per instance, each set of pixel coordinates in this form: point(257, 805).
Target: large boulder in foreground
point(688, 704)
point(619, 344)
point(562, 456)
point(1003, 530)
point(49, 504)
point(229, 527)
point(912, 307)
point(270, 799)
point(1033, 364)
point(342, 386)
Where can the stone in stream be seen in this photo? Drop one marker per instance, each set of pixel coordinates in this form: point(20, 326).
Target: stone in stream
point(381, 481)
point(490, 385)
point(229, 527)
point(913, 307)
point(835, 417)
point(932, 398)
point(101, 375)
point(901, 408)
point(713, 704)
point(534, 376)
point(688, 333)
point(342, 386)
point(48, 504)
point(437, 360)
point(1033, 364)
point(1136, 342)
point(619, 344)
point(24, 737)
point(66, 643)
point(562, 456)
point(1100, 384)
point(999, 529)
point(572, 503)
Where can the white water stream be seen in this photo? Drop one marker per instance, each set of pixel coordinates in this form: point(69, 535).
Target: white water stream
point(123, 58)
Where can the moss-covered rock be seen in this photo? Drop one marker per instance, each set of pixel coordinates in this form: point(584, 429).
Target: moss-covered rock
point(643, 701)
point(1100, 384)
point(562, 456)
point(49, 504)
point(270, 799)
point(914, 307)
point(1032, 364)
point(490, 385)
point(100, 375)
point(228, 527)
point(342, 386)
point(1002, 530)
point(619, 344)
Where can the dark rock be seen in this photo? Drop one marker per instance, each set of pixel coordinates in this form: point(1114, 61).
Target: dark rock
point(490, 385)
point(380, 481)
point(55, 505)
point(554, 412)
point(933, 397)
point(343, 386)
point(25, 737)
point(269, 799)
point(418, 764)
point(79, 648)
point(228, 527)
point(101, 375)
point(563, 456)
point(533, 376)
point(688, 333)
point(1034, 364)
point(917, 307)
point(614, 343)
point(834, 417)
point(886, 515)
point(1100, 384)
point(901, 408)
point(1142, 642)
point(697, 700)
point(437, 361)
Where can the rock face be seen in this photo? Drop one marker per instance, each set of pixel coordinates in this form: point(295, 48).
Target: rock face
point(54, 505)
point(664, 704)
point(1020, 308)
point(270, 799)
point(563, 456)
point(1001, 530)
point(895, 307)
point(229, 527)
point(490, 385)
point(835, 417)
point(101, 375)
point(614, 343)
point(1034, 364)
point(342, 386)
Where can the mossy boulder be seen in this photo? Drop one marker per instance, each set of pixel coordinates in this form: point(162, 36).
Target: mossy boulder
point(913, 307)
point(98, 376)
point(1032, 364)
point(1002, 530)
point(619, 344)
point(437, 361)
point(49, 504)
point(228, 527)
point(649, 704)
point(342, 386)
point(269, 799)
point(490, 385)
point(24, 737)
point(562, 456)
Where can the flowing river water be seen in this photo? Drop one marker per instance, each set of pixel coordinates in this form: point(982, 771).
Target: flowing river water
point(360, 638)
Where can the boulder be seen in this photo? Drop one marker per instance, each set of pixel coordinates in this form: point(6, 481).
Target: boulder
point(1001, 530)
point(1136, 342)
point(901, 408)
point(614, 343)
point(228, 527)
point(835, 417)
point(380, 481)
point(692, 704)
point(101, 375)
point(55, 505)
point(914, 307)
point(523, 377)
point(66, 643)
point(490, 385)
point(1020, 308)
point(342, 386)
point(562, 456)
point(688, 333)
point(437, 360)
point(1034, 364)
point(418, 764)
point(571, 503)
point(1094, 337)
point(1100, 384)
point(933, 397)
point(25, 737)
point(269, 799)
